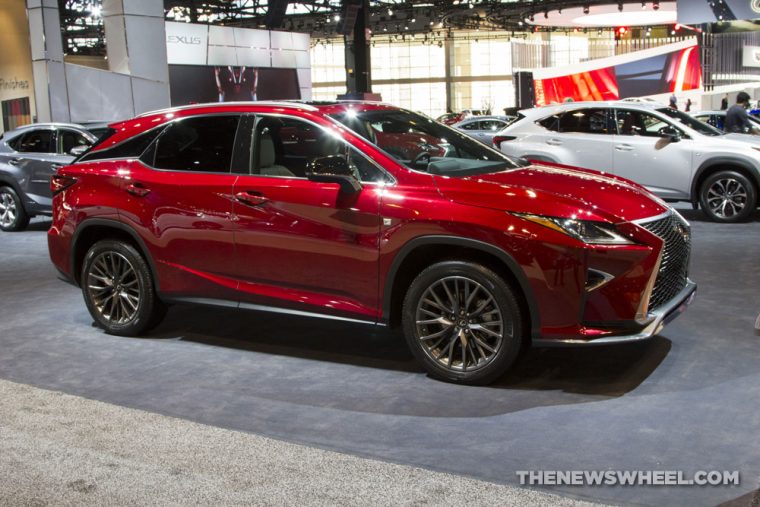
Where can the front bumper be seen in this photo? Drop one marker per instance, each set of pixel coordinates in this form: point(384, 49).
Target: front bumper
point(656, 322)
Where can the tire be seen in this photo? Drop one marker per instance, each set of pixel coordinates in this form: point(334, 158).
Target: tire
point(115, 272)
point(728, 197)
point(439, 338)
point(13, 216)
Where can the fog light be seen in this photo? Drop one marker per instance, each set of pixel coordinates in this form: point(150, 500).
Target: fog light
point(596, 278)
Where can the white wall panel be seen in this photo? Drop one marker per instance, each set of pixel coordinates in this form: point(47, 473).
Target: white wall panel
point(222, 55)
point(281, 40)
point(284, 58)
point(149, 95)
point(147, 47)
point(304, 78)
point(251, 38)
point(221, 36)
point(254, 57)
point(186, 43)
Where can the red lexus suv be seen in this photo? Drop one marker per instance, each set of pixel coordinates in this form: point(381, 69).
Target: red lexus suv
point(369, 213)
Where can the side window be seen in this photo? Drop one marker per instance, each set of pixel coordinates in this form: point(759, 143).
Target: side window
point(550, 123)
point(473, 125)
point(131, 148)
point(69, 139)
point(35, 141)
point(585, 121)
point(285, 146)
point(202, 143)
point(492, 125)
point(637, 123)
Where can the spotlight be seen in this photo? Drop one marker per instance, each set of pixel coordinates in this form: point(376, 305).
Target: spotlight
point(620, 6)
point(656, 5)
point(586, 9)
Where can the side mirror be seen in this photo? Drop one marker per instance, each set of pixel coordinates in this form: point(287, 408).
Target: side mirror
point(670, 133)
point(333, 169)
point(78, 150)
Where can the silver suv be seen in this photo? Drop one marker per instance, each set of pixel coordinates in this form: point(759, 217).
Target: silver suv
point(29, 156)
point(673, 154)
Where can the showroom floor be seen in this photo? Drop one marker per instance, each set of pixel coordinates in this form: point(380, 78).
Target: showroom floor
point(686, 400)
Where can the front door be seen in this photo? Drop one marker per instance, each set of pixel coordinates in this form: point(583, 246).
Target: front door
point(303, 244)
point(643, 155)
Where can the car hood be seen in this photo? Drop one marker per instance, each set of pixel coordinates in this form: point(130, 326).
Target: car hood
point(555, 191)
point(742, 138)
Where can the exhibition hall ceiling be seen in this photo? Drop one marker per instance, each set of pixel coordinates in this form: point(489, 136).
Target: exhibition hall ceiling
point(83, 33)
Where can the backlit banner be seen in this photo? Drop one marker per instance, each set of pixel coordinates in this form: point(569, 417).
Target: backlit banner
point(708, 11)
point(197, 84)
point(635, 75)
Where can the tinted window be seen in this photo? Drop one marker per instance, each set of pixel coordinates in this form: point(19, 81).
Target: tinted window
point(492, 125)
point(690, 122)
point(69, 139)
point(35, 141)
point(423, 144)
point(474, 125)
point(586, 121)
point(285, 147)
point(550, 123)
point(197, 144)
point(131, 148)
point(636, 123)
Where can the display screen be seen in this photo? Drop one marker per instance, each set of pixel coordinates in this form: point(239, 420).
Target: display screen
point(668, 73)
point(195, 84)
point(708, 11)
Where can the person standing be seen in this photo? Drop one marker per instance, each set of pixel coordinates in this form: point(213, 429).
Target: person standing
point(737, 119)
point(724, 103)
point(673, 101)
point(687, 108)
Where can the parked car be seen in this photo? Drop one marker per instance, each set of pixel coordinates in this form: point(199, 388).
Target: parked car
point(676, 156)
point(483, 128)
point(717, 118)
point(29, 156)
point(474, 254)
point(452, 118)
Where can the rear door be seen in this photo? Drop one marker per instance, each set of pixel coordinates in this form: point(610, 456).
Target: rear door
point(35, 158)
point(585, 139)
point(178, 196)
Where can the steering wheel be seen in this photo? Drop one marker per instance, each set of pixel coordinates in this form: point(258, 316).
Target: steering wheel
point(422, 159)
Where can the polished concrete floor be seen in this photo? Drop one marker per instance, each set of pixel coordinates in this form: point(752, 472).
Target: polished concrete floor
point(686, 400)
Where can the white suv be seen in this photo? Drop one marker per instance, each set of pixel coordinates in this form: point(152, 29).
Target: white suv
point(674, 155)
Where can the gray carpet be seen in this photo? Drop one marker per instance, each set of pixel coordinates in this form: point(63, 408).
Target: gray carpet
point(57, 449)
point(686, 400)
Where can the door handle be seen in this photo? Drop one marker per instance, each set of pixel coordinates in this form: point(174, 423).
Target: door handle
point(14, 161)
point(624, 147)
point(251, 198)
point(138, 189)
point(554, 142)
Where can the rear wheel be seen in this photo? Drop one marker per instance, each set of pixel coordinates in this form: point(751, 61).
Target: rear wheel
point(462, 321)
point(118, 289)
point(728, 196)
point(13, 217)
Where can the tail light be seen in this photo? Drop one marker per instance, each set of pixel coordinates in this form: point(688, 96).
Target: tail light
point(59, 183)
point(497, 140)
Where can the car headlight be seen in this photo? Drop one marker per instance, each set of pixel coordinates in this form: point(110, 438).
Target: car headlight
point(588, 231)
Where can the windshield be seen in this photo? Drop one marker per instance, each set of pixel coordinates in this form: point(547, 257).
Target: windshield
point(423, 144)
point(691, 122)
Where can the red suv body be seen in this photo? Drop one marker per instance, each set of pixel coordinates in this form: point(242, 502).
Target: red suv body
point(309, 209)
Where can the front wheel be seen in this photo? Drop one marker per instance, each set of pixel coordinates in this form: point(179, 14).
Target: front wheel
point(118, 289)
point(462, 321)
point(728, 196)
point(13, 217)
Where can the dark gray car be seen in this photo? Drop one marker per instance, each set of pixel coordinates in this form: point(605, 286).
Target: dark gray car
point(29, 156)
